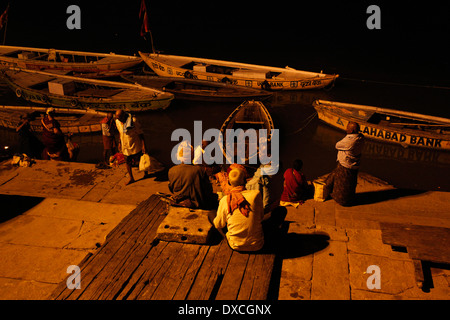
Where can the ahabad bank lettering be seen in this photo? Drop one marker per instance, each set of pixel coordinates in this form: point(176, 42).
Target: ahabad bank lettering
point(401, 138)
point(396, 137)
point(235, 141)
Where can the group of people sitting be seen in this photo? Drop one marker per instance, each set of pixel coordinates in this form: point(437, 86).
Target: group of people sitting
point(248, 212)
point(247, 207)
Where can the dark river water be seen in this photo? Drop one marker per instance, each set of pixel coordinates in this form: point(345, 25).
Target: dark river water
point(312, 141)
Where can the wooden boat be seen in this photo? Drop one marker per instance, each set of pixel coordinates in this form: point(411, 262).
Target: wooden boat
point(74, 92)
point(71, 120)
point(54, 59)
point(241, 74)
point(394, 126)
point(326, 135)
point(190, 89)
point(249, 115)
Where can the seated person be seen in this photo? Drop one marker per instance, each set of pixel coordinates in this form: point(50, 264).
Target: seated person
point(266, 180)
point(203, 159)
point(241, 212)
point(189, 183)
point(199, 153)
point(222, 177)
point(295, 188)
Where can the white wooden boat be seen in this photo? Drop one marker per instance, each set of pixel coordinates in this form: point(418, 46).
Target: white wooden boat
point(82, 93)
point(65, 60)
point(242, 74)
point(71, 120)
point(388, 125)
point(248, 115)
point(190, 89)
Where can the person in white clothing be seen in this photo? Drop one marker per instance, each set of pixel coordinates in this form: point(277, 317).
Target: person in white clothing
point(132, 142)
point(241, 212)
point(199, 153)
point(342, 182)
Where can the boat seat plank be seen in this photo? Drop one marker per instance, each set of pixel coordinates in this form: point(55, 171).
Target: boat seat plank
point(25, 81)
point(133, 94)
point(133, 264)
point(39, 56)
point(8, 51)
point(98, 93)
point(249, 122)
point(111, 60)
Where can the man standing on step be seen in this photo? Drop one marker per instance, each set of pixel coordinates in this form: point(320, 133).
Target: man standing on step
point(343, 180)
point(132, 143)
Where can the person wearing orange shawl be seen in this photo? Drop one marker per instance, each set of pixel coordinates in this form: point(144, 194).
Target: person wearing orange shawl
point(241, 212)
point(222, 177)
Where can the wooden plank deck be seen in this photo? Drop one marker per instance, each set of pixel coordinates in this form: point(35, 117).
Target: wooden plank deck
point(423, 244)
point(131, 264)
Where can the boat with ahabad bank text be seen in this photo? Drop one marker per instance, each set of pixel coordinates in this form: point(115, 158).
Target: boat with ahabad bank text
point(394, 126)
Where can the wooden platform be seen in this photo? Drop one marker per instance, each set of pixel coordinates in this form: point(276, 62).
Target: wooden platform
point(430, 244)
point(131, 264)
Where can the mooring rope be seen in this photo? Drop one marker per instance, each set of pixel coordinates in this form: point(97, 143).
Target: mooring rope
point(307, 122)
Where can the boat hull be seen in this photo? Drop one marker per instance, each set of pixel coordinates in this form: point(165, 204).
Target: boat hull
point(136, 101)
point(98, 62)
point(251, 115)
point(188, 89)
point(246, 75)
point(70, 120)
point(331, 113)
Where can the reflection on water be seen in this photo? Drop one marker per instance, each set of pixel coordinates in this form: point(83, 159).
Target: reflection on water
point(414, 168)
point(387, 151)
point(301, 134)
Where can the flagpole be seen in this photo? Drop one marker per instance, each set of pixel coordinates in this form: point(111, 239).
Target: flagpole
point(4, 33)
point(6, 23)
point(151, 41)
point(145, 28)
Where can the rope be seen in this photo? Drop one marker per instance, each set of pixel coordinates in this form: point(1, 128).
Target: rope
point(307, 122)
point(397, 84)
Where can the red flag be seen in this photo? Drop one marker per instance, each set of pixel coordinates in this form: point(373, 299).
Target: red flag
point(4, 18)
point(145, 28)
